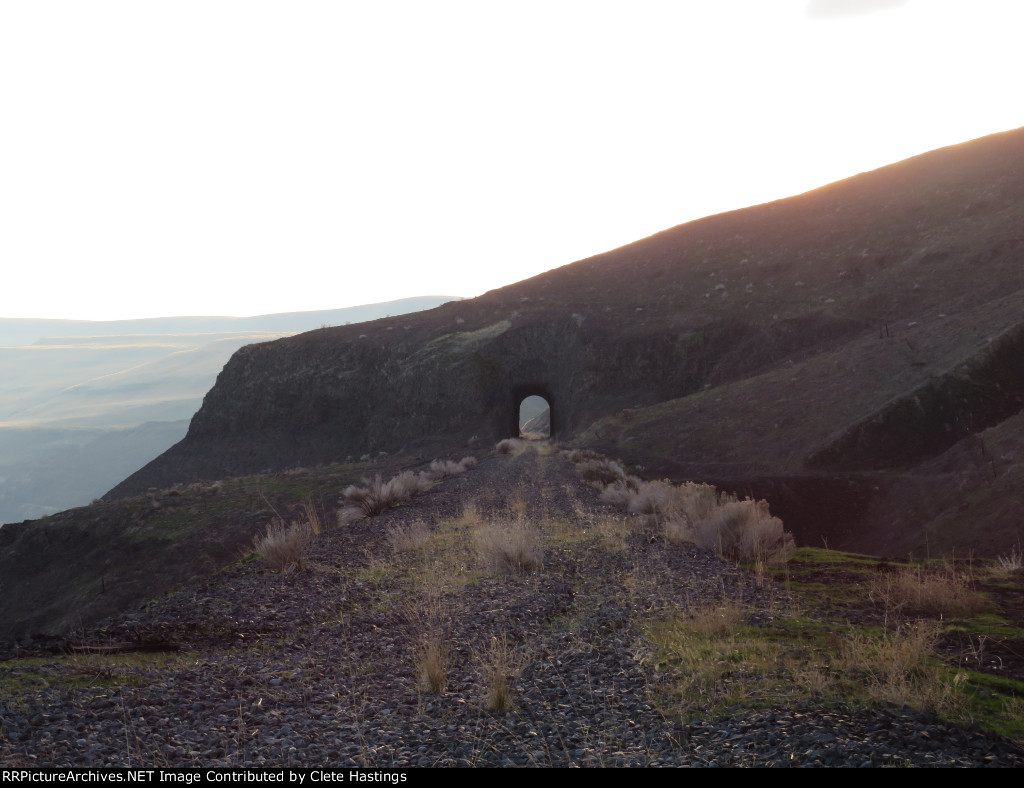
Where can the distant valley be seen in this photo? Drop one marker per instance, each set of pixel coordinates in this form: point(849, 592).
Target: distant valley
point(83, 404)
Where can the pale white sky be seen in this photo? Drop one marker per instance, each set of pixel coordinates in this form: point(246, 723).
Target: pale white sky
point(223, 157)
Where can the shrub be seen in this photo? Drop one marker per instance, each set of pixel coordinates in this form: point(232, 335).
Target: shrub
point(700, 500)
point(697, 513)
point(283, 546)
point(618, 495)
point(745, 531)
point(603, 472)
point(679, 531)
point(511, 546)
point(576, 456)
point(656, 499)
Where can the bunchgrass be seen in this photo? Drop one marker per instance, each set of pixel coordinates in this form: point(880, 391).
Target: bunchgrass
point(409, 536)
point(500, 665)
point(375, 496)
point(432, 665)
point(508, 545)
point(283, 546)
point(944, 592)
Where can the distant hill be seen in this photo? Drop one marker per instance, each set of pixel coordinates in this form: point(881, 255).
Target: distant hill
point(85, 403)
point(27, 331)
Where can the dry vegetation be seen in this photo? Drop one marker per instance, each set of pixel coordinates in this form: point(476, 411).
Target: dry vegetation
point(375, 496)
point(441, 468)
point(716, 661)
point(284, 546)
point(508, 545)
point(738, 530)
point(945, 592)
point(510, 446)
point(1012, 562)
point(500, 665)
point(432, 665)
point(410, 536)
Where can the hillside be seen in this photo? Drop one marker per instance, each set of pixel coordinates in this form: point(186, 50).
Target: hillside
point(820, 351)
point(401, 641)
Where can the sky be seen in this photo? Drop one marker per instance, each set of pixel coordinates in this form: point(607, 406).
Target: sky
point(223, 157)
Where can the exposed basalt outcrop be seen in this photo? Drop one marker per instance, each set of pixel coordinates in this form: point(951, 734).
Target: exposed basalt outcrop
point(385, 386)
point(863, 326)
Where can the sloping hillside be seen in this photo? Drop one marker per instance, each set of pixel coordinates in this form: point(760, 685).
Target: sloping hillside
point(833, 340)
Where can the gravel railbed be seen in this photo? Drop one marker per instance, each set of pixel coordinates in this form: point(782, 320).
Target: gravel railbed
point(318, 668)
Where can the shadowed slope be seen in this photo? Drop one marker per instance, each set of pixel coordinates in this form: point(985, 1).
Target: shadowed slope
point(864, 326)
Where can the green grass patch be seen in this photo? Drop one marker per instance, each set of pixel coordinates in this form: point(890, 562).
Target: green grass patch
point(712, 664)
point(22, 678)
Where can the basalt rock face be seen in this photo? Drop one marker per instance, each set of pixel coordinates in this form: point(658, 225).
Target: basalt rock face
point(867, 326)
point(407, 384)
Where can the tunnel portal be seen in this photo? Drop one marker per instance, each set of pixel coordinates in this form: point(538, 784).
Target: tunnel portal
point(520, 395)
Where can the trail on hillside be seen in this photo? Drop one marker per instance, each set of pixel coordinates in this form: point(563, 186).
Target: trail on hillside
point(551, 665)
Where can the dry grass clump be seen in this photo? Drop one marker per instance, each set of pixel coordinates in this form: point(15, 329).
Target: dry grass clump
point(611, 533)
point(408, 484)
point(312, 516)
point(501, 667)
point(914, 589)
point(1012, 562)
point(441, 468)
point(405, 538)
point(283, 546)
point(375, 496)
point(432, 665)
point(901, 667)
point(511, 546)
point(509, 445)
point(470, 515)
point(716, 620)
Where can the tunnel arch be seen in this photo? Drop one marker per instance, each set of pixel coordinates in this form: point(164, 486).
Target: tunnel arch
point(520, 393)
